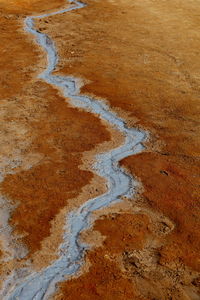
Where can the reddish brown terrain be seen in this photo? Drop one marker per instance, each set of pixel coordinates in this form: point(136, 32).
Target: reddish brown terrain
point(43, 138)
point(142, 57)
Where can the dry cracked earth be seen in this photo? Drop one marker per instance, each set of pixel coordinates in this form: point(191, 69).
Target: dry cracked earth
point(141, 57)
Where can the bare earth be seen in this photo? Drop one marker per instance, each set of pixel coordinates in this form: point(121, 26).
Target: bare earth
point(142, 57)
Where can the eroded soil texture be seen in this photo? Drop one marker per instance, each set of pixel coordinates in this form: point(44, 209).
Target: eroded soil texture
point(142, 59)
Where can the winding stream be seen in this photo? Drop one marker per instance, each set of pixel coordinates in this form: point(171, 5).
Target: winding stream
point(40, 285)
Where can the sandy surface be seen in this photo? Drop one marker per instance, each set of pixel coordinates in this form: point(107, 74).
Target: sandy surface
point(143, 58)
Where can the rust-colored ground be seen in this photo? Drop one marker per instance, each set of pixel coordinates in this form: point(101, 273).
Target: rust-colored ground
point(146, 62)
point(61, 135)
point(130, 264)
point(112, 285)
point(167, 190)
point(143, 57)
point(42, 137)
point(29, 6)
point(108, 281)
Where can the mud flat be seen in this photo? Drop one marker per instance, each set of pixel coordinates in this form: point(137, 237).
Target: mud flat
point(146, 65)
point(40, 170)
point(40, 285)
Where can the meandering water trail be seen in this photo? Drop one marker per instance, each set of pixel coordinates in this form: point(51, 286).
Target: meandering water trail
point(40, 285)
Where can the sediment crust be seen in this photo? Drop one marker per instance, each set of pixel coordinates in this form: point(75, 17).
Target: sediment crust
point(120, 183)
point(37, 161)
point(155, 44)
point(149, 42)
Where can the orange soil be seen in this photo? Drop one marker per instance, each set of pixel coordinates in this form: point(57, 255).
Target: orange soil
point(146, 62)
point(130, 264)
point(105, 280)
point(143, 57)
point(144, 65)
point(61, 135)
point(16, 66)
point(29, 6)
point(171, 187)
point(57, 134)
point(132, 233)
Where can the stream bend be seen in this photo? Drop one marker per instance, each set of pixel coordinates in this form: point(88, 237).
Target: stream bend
point(40, 285)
